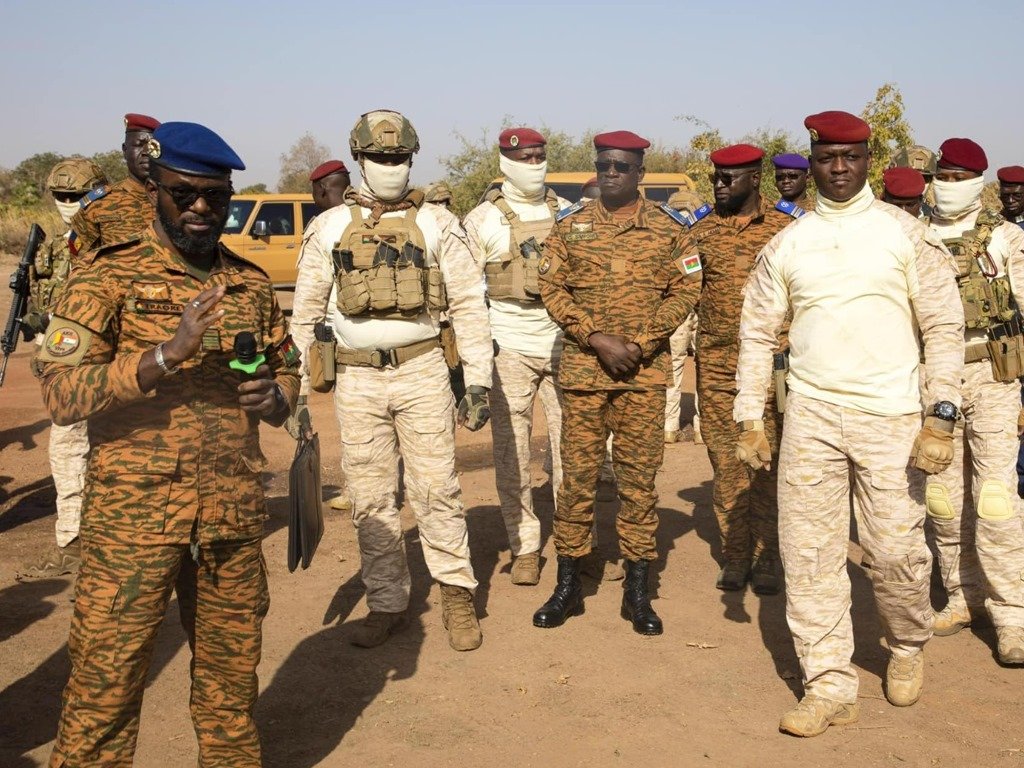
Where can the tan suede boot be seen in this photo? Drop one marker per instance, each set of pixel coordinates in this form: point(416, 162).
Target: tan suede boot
point(459, 617)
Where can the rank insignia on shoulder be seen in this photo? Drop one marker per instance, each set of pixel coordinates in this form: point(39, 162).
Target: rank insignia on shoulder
point(790, 209)
point(92, 196)
point(686, 218)
point(574, 208)
point(690, 263)
point(289, 351)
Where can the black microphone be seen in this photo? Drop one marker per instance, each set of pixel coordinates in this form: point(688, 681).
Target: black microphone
point(247, 357)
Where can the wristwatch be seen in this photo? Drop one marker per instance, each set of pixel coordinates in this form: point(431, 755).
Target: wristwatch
point(946, 411)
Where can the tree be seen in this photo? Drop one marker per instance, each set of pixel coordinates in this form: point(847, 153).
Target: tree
point(299, 161)
point(113, 165)
point(28, 180)
point(254, 189)
point(890, 131)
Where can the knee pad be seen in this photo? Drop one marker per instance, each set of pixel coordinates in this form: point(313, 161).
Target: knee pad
point(995, 502)
point(937, 502)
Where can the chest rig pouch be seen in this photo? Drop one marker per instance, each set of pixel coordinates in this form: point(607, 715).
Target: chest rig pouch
point(380, 268)
point(516, 276)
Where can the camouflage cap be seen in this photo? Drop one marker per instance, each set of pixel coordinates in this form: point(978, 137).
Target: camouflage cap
point(684, 199)
point(438, 192)
point(917, 157)
point(76, 174)
point(383, 131)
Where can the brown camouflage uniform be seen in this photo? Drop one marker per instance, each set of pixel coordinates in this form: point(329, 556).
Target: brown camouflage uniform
point(637, 277)
point(744, 501)
point(119, 215)
point(173, 496)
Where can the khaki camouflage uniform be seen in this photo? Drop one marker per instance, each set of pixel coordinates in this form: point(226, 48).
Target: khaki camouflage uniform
point(680, 343)
point(623, 276)
point(406, 411)
point(829, 447)
point(173, 496)
point(119, 215)
point(744, 501)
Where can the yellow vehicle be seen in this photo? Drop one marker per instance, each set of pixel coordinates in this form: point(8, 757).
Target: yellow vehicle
point(267, 230)
point(655, 186)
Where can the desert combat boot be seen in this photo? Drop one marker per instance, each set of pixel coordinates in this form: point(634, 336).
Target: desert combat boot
point(813, 715)
point(526, 569)
point(951, 620)
point(377, 627)
point(459, 617)
point(1011, 645)
point(903, 679)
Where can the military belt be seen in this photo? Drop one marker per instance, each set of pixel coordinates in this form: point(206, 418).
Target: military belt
point(976, 353)
point(382, 358)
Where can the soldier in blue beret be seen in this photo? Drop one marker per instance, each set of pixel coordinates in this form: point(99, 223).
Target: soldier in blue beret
point(791, 181)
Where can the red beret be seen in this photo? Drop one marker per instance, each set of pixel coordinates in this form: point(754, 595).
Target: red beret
point(620, 140)
point(962, 153)
point(519, 138)
point(836, 128)
point(737, 154)
point(134, 122)
point(1011, 174)
point(903, 182)
point(326, 169)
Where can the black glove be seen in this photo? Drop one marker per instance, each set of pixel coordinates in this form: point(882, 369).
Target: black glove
point(300, 423)
point(474, 410)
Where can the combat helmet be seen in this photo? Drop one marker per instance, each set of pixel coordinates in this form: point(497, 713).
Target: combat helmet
point(385, 132)
point(75, 174)
point(917, 157)
point(685, 200)
point(438, 192)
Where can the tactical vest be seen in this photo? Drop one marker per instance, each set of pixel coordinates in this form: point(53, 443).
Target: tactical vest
point(987, 300)
point(380, 268)
point(50, 268)
point(516, 275)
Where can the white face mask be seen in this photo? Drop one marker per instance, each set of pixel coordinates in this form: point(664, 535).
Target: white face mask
point(955, 198)
point(67, 210)
point(387, 182)
point(528, 178)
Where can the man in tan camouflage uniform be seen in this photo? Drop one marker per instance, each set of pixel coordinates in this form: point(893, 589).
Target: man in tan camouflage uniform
point(974, 513)
point(853, 415)
point(69, 181)
point(619, 277)
point(114, 214)
point(924, 161)
point(382, 267)
point(141, 345)
point(729, 240)
point(506, 233)
point(438, 193)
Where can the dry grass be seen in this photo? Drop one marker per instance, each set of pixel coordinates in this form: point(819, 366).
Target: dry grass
point(15, 223)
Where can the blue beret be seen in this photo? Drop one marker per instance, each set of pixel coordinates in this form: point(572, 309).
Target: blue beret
point(192, 149)
point(791, 160)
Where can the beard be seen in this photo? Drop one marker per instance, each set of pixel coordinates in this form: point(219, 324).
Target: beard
point(204, 244)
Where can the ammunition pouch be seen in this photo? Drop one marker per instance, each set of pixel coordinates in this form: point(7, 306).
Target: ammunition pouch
point(780, 367)
point(516, 276)
point(1006, 355)
point(987, 299)
point(448, 345)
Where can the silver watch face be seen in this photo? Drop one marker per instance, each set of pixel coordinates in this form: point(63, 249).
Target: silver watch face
point(945, 410)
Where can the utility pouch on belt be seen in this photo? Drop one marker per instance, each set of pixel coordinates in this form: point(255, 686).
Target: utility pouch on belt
point(321, 358)
point(780, 367)
point(1007, 357)
point(353, 290)
point(448, 345)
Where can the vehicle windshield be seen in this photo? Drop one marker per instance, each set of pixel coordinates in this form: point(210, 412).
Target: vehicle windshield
point(238, 214)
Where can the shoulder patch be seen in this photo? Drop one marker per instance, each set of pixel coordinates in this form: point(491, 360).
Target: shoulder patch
point(687, 219)
point(576, 207)
point(74, 241)
point(66, 342)
point(790, 209)
point(92, 196)
point(689, 263)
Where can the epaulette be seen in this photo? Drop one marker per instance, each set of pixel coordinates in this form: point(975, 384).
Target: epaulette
point(790, 209)
point(576, 207)
point(225, 251)
point(88, 257)
point(687, 219)
point(92, 196)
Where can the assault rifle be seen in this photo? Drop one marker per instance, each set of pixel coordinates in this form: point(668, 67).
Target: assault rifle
point(20, 285)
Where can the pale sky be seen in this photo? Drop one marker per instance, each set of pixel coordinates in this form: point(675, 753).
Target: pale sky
point(263, 73)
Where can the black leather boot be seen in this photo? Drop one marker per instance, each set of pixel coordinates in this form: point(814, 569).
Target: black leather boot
point(636, 603)
point(567, 599)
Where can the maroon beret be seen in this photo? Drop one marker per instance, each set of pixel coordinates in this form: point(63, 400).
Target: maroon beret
point(836, 127)
point(134, 122)
point(903, 182)
point(737, 154)
point(620, 140)
point(1011, 174)
point(962, 153)
point(520, 138)
point(326, 169)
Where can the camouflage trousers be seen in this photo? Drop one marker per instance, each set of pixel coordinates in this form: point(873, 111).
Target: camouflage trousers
point(973, 509)
point(518, 381)
point(382, 411)
point(637, 454)
point(69, 454)
point(680, 344)
point(121, 596)
point(825, 449)
point(744, 501)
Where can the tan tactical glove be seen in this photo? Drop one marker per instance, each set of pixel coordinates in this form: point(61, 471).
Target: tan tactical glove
point(474, 410)
point(933, 447)
point(300, 423)
point(752, 448)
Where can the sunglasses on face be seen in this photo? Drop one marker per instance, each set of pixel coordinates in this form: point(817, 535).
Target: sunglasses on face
point(603, 166)
point(727, 179)
point(185, 197)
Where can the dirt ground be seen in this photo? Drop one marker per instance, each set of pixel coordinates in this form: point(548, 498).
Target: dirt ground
point(708, 692)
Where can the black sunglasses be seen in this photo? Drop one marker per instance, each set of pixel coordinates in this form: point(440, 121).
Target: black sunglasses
point(603, 166)
point(727, 179)
point(185, 197)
